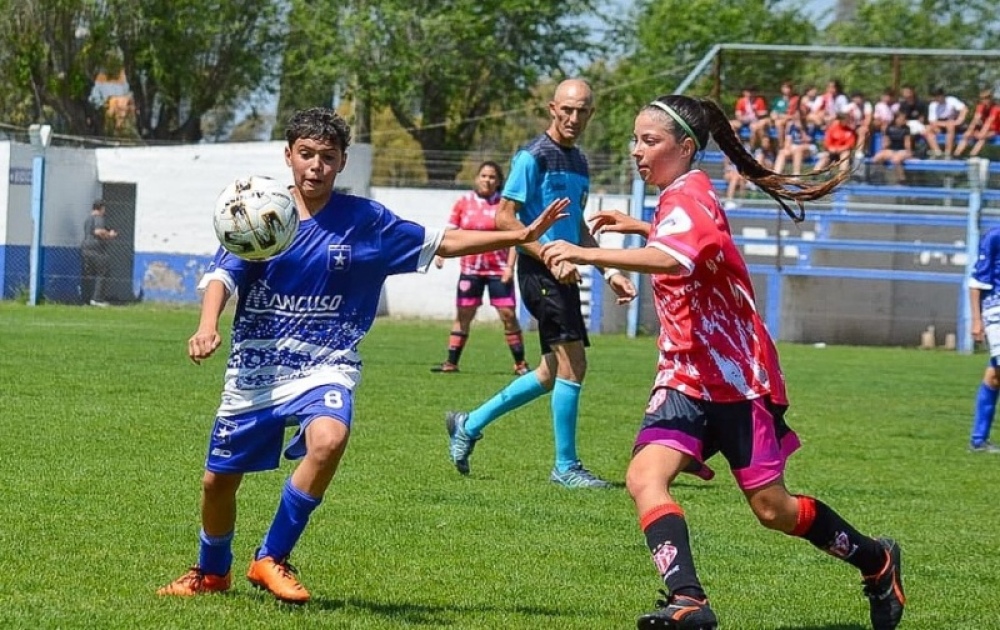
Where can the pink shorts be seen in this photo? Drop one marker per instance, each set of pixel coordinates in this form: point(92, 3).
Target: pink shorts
point(750, 434)
point(471, 288)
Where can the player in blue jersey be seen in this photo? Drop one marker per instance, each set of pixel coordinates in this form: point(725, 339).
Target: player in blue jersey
point(984, 300)
point(548, 167)
point(294, 361)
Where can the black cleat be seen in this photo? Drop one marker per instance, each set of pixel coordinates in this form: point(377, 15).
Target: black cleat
point(885, 590)
point(679, 612)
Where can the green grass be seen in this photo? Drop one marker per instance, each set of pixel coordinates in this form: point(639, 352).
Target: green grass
point(104, 422)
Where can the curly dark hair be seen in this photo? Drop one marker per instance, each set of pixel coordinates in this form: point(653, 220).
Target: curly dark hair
point(318, 123)
point(705, 118)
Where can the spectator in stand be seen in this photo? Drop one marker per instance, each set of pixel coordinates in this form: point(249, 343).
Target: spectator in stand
point(798, 144)
point(885, 111)
point(861, 114)
point(945, 114)
point(783, 108)
point(914, 108)
point(736, 184)
point(830, 103)
point(808, 98)
point(897, 146)
point(839, 143)
point(752, 115)
point(984, 126)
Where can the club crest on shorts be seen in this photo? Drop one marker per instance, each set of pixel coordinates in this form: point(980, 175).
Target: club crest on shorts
point(338, 258)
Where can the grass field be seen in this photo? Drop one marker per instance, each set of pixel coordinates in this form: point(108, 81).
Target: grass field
point(104, 422)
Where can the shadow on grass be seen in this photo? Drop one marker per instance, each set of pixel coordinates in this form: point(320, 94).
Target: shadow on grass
point(435, 615)
point(834, 626)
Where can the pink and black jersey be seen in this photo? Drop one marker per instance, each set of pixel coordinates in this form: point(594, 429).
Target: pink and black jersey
point(473, 212)
point(713, 344)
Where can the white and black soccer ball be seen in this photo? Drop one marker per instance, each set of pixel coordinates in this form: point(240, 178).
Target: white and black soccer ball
point(255, 218)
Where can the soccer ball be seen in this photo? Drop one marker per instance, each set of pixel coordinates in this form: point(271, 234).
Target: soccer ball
point(255, 218)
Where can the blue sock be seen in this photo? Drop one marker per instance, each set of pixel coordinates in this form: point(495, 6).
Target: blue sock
point(520, 391)
point(215, 554)
point(289, 522)
point(986, 404)
point(565, 407)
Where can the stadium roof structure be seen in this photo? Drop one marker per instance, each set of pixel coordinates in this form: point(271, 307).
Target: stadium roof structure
point(715, 55)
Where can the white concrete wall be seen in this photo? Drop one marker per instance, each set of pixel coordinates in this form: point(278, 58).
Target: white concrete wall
point(176, 189)
point(177, 186)
point(4, 190)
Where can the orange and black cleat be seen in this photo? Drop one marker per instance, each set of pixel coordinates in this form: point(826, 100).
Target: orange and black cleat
point(679, 612)
point(278, 578)
point(197, 582)
point(885, 590)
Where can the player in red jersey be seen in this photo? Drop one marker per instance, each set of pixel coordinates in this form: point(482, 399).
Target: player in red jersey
point(477, 210)
point(719, 386)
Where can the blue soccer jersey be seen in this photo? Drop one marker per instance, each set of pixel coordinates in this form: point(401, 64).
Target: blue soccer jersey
point(542, 172)
point(299, 317)
point(986, 274)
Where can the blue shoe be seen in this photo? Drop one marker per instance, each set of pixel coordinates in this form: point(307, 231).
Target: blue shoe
point(461, 444)
point(679, 612)
point(576, 476)
point(885, 590)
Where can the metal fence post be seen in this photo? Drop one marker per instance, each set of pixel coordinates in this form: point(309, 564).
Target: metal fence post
point(40, 136)
point(636, 209)
point(978, 173)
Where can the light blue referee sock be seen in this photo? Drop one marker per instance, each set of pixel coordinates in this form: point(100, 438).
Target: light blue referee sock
point(986, 405)
point(520, 391)
point(565, 408)
point(215, 554)
point(289, 522)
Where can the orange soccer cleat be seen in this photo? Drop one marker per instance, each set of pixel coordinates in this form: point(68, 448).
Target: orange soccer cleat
point(279, 579)
point(196, 582)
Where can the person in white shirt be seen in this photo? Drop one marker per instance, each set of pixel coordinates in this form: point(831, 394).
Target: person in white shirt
point(945, 114)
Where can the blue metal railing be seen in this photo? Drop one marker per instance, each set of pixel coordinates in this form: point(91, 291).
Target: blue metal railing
point(967, 216)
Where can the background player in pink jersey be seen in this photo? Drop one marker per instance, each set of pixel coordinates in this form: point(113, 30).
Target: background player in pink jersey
point(477, 210)
point(719, 386)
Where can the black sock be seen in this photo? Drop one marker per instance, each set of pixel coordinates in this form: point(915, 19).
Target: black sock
point(826, 530)
point(667, 538)
point(515, 341)
point(456, 343)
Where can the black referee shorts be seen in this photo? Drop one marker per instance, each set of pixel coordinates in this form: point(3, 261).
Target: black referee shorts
point(556, 306)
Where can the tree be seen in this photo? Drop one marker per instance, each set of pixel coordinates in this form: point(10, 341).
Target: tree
point(671, 36)
point(925, 24)
point(179, 58)
point(441, 67)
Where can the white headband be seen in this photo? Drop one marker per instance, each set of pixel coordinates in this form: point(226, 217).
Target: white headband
point(680, 121)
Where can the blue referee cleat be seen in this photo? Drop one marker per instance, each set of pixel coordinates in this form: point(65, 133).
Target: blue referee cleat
point(576, 476)
point(460, 445)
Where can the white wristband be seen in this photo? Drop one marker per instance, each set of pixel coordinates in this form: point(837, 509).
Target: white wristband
point(609, 272)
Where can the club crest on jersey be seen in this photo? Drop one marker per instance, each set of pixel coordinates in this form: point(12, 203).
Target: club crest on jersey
point(338, 258)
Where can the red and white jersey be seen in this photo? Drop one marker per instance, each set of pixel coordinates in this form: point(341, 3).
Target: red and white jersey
point(713, 344)
point(473, 212)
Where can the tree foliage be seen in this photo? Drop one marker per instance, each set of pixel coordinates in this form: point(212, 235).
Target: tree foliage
point(671, 36)
point(922, 25)
point(441, 67)
point(181, 58)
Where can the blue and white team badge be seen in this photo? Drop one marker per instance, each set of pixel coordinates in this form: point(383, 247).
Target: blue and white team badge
point(338, 258)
